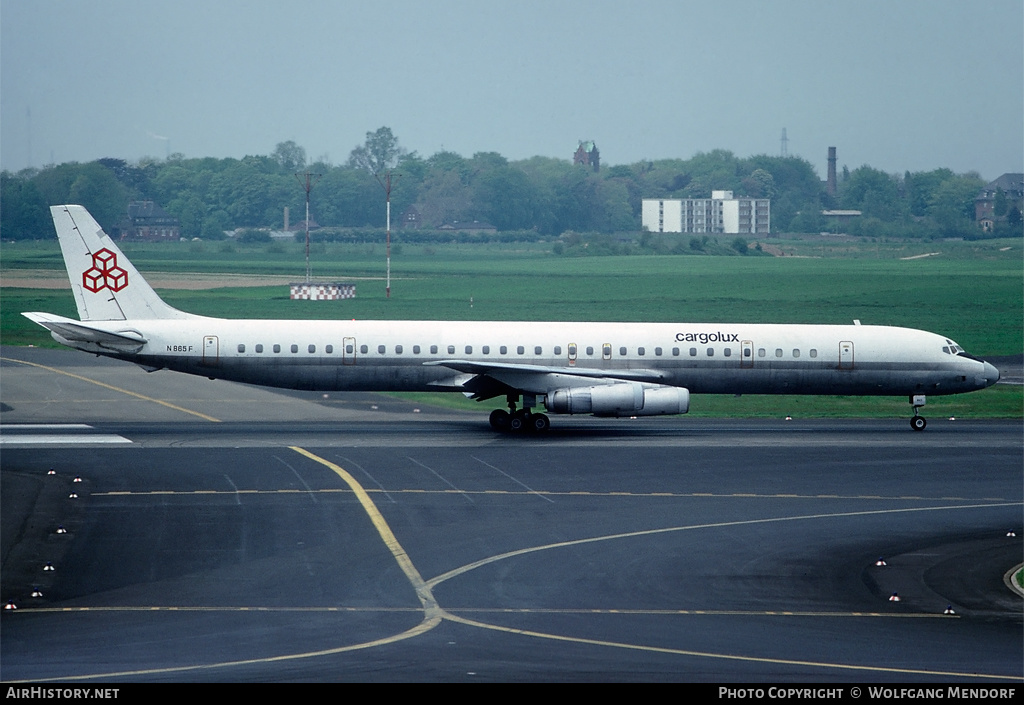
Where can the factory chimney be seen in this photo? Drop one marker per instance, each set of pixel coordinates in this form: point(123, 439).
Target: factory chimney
point(830, 186)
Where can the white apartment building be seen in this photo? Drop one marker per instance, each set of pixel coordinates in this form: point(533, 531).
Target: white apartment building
point(719, 214)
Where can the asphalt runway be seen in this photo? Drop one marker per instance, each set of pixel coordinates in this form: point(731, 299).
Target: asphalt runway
point(229, 533)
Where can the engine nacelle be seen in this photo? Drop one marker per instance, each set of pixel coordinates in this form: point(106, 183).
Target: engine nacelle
point(620, 399)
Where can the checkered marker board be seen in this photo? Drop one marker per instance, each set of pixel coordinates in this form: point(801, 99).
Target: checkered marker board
point(323, 292)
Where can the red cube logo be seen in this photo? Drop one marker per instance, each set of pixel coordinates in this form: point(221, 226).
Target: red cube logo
point(104, 273)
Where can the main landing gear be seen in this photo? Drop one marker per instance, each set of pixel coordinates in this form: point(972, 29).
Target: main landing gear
point(917, 423)
point(519, 420)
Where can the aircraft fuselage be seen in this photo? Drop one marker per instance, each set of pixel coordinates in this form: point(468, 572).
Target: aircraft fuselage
point(706, 358)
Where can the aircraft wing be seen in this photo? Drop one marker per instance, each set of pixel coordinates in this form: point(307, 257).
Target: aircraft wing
point(69, 332)
point(490, 379)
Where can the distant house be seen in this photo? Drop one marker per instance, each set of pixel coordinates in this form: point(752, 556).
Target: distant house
point(998, 200)
point(587, 155)
point(841, 217)
point(300, 227)
point(411, 219)
point(149, 222)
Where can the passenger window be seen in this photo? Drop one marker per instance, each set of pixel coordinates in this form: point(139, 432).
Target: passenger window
point(693, 352)
point(814, 353)
point(796, 352)
point(657, 351)
point(380, 349)
point(778, 352)
point(590, 350)
point(622, 352)
point(451, 349)
point(537, 350)
point(558, 350)
point(415, 349)
point(521, 350)
point(711, 352)
point(362, 348)
point(348, 349)
point(761, 352)
point(487, 350)
point(469, 349)
point(294, 348)
point(277, 348)
point(398, 350)
point(503, 350)
point(728, 352)
point(675, 352)
point(641, 351)
point(433, 350)
point(328, 349)
point(312, 348)
point(241, 347)
point(259, 347)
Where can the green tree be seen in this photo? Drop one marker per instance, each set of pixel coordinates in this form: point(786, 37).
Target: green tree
point(873, 192)
point(760, 184)
point(190, 212)
point(378, 153)
point(24, 215)
point(506, 198)
point(289, 156)
point(444, 198)
point(952, 205)
point(347, 197)
point(920, 188)
point(98, 189)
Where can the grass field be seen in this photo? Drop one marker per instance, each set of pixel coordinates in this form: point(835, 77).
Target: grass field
point(971, 292)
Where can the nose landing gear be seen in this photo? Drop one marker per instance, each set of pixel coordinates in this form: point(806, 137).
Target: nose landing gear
point(917, 423)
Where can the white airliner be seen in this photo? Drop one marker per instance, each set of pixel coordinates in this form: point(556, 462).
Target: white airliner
point(604, 369)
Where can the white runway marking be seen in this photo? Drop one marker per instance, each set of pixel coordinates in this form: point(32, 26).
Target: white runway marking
point(12, 435)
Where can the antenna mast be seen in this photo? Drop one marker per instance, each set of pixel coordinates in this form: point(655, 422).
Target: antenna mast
point(310, 182)
point(387, 183)
point(785, 143)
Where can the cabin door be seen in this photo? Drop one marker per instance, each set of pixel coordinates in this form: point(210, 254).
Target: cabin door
point(348, 351)
point(747, 353)
point(846, 355)
point(211, 348)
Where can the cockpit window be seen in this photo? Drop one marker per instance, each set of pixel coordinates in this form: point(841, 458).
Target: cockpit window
point(953, 348)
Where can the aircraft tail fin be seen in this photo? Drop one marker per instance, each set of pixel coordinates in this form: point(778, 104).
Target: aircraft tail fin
point(106, 285)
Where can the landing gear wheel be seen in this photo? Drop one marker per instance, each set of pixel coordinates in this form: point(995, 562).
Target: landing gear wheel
point(517, 422)
point(539, 423)
point(918, 423)
point(500, 420)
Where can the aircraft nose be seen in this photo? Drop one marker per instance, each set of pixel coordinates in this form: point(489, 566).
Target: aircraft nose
point(990, 375)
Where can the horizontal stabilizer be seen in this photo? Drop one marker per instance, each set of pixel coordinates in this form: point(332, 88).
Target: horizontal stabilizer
point(69, 332)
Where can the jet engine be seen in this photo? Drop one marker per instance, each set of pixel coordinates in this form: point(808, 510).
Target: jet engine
point(619, 399)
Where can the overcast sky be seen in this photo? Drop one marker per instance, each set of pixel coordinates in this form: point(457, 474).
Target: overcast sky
point(896, 84)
